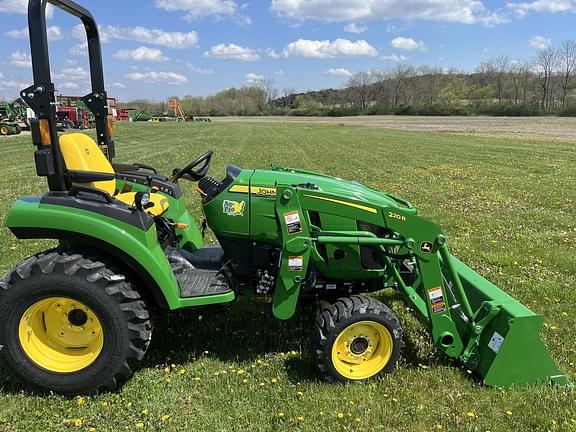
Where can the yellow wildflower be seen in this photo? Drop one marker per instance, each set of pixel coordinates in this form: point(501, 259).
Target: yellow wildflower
point(139, 425)
point(92, 429)
point(165, 418)
point(129, 404)
point(273, 380)
point(340, 415)
point(182, 371)
point(80, 400)
point(167, 369)
point(145, 411)
point(509, 412)
point(241, 372)
point(245, 381)
point(78, 422)
point(300, 418)
point(168, 380)
point(281, 414)
point(471, 414)
point(300, 393)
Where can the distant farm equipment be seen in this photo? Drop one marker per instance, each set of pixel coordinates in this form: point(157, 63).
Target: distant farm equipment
point(13, 117)
point(141, 116)
point(201, 119)
point(175, 104)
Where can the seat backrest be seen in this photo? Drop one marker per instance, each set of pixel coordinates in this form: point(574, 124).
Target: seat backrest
point(81, 153)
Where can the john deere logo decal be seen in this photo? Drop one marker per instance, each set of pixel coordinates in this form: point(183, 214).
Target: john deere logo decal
point(233, 208)
point(426, 247)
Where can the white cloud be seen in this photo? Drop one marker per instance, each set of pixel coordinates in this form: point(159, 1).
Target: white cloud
point(460, 11)
point(20, 59)
point(395, 58)
point(254, 79)
point(199, 70)
point(152, 77)
point(407, 44)
point(68, 86)
point(195, 9)
point(21, 7)
point(539, 42)
point(6, 83)
point(232, 52)
point(72, 73)
point(550, 6)
point(339, 72)
point(355, 28)
point(329, 49)
point(119, 85)
point(142, 54)
point(176, 40)
point(18, 34)
point(272, 54)
point(279, 72)
point(54, 33)
point(80, 50)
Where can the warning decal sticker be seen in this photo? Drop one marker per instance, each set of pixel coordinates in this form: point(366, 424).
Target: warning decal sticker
point(295, 263)
point(437, 300)
point(496, 342)
point(293, 223)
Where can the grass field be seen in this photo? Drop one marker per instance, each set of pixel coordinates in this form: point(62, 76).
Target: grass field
point(507, 207)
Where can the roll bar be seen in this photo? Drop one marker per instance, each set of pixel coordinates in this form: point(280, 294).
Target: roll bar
point(41, 98)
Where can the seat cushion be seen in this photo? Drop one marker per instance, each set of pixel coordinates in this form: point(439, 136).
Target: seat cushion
point(160, 202)
point(81, 153)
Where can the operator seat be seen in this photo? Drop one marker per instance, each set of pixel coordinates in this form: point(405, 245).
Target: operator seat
point(81, 153)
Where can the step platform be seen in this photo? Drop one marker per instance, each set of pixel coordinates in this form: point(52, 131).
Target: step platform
point(199, 273)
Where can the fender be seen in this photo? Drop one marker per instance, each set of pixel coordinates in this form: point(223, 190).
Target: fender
point(136, 246)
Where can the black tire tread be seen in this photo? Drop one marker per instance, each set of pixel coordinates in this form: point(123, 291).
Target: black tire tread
point(93, 266)
point(345, 309)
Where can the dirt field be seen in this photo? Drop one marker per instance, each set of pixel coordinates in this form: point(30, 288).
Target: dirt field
point(547, 128)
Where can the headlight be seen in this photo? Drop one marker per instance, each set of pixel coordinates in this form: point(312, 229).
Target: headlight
point(142, 200)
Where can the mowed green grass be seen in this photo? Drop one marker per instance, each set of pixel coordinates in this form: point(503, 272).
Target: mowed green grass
point(507, 208)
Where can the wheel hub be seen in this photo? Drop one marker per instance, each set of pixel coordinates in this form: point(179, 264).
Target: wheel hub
point(362, 350)
point(359, 345)
point(61, 335)
point(77, 317)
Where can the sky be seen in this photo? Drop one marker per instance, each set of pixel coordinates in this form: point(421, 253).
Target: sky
point(155, 49)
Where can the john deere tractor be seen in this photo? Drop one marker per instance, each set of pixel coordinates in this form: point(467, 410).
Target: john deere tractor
point(77, 318)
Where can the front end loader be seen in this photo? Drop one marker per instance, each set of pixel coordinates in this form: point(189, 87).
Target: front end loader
point(77, 318)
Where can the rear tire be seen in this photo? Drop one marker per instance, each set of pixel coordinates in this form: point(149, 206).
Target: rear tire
point(70, 324)
point(356, 338)
point(4, 130)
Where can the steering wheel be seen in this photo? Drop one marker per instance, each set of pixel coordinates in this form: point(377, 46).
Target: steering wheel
point(189, 173)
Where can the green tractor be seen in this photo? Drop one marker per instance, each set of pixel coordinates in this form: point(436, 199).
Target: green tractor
point(77, 318)
point(8, 123)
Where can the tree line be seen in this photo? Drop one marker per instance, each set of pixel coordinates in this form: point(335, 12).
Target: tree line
point(543, 85)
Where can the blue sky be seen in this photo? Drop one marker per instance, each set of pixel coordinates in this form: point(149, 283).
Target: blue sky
point(158, 48)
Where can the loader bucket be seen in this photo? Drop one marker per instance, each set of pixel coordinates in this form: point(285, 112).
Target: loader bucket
point(509, 351)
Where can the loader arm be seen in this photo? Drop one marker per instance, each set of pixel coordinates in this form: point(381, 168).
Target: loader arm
point(470, 319)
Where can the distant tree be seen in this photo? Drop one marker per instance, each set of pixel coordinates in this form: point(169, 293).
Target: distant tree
point(567, 63)
point(546, 62)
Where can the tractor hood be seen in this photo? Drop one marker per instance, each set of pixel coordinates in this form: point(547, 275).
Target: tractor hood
point(346, 189)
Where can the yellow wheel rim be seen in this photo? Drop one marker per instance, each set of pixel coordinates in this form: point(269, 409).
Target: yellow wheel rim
point(362, 350)
point(61, 335)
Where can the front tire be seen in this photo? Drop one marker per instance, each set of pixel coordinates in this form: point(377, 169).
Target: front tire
point(356, 338)
point(70, 324)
